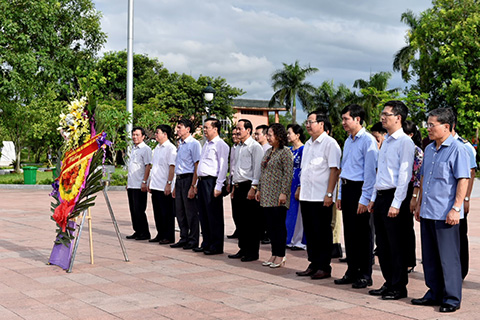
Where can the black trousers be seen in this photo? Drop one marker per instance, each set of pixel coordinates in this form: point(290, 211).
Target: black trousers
point(186, 211)
point(464, 255)
point(164, 214)
point(235, 214)
point(276, 228)
point(317, 221)
point(390, 237)
point(409, 237)
point(357, 232)
point(210, 209)
point(137, 202)
point(249, 221)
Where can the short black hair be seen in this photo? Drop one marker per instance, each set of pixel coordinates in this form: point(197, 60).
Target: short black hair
point(263, 127)
point(215, 123)
point(247, 124)
point(355, 111)
point(187, 124)
point(166, 129)
point(398, 108)
point(327, 126)
point(139, 128)
point(319, 116)
point(444, 116)
point(297, 129)
point(280, 133)
point(377, 127)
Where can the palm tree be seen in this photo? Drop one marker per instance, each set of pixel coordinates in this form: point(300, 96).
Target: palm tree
point(289, 84)
point(331, 100)
point(374, 91)
point(405, 56)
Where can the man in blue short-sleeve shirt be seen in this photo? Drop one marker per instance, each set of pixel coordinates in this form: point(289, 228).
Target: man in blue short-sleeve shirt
point(445, 173)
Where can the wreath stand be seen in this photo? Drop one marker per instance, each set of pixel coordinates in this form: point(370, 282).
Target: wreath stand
point(87, 215)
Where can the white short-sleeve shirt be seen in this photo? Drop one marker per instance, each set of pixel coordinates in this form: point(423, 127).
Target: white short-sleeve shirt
point(140, 156)
point(164, 156)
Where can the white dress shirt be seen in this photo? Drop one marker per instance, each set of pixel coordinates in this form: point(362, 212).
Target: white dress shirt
point(214, 161)
point(164, 156)
point(248, 160)
point(395, 165)
point(140, 156)
point(318, 157)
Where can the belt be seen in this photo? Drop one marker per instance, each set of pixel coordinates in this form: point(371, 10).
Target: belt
point(238, 184)
point(184, 175)
point(386, 192)
point(200, 178)
point(346, 181)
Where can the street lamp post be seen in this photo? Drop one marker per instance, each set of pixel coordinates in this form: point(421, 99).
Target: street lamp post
point(208, 96)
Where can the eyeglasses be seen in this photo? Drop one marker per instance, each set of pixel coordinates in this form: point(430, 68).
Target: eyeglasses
point(431, 125)
point(310, 122)
point(386, 114)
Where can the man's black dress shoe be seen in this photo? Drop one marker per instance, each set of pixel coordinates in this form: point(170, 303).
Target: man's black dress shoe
point(164, 241)
point(344, 280)
point(306, 273)
point(320, 274)
point(189, 246)
point(132, 236)
point(178, 245)
point(445, 307)
point(238, 255)
point(378, 292)
point(425, 302)
point(156, 239)
point(143, 237)
point(343, 259)
point(362, 283)
point(198, 249)
point(295, 248)
point(394, 295)
point(248, 259)
point(212, 252)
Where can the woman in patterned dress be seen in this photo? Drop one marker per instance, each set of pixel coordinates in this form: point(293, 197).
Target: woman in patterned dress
point(274, 191)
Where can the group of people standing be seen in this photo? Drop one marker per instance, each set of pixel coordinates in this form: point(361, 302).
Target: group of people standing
point(287, 194)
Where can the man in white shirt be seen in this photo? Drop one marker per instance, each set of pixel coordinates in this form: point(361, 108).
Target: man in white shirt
point(211, 173)
point(248, 158)
point(160, 185)
point(395, 161)
point(138, 171)
point(318, 179)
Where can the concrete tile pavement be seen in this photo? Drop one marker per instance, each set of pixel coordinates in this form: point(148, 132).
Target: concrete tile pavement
point(164, 283)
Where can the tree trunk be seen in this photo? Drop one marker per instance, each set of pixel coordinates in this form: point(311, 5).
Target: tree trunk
point(18, 152)
point(294, 110)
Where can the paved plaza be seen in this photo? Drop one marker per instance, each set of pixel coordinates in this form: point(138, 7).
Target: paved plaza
point(164, 283)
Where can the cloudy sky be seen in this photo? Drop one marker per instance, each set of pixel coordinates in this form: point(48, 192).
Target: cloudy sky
point(245, 41)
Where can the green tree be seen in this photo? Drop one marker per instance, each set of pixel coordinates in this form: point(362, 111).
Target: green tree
point(374, 94)
point(289, 84)
point(446, 64)
point(44, 46)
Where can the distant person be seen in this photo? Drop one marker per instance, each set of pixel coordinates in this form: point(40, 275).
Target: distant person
point(188, 156)
point(379, 132)
point(295, 235)
point(139, 164)
point(274, 191)
point(235, 212)
point(445, 173)
point(261, 137)
point(160, 185)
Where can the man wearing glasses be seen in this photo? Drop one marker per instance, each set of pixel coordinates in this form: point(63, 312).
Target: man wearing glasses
point(395, 162)
point(445, 173)
point(248, 158)
point(316, 193)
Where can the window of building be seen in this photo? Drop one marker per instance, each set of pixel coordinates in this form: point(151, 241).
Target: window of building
point(252, 112)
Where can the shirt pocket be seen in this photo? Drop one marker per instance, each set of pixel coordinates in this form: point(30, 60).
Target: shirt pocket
point(245, 161)
point(317, 161)
point(441, 171)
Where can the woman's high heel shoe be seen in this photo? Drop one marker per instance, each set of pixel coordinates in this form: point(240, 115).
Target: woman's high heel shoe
point(277, 265)
point(269, 262)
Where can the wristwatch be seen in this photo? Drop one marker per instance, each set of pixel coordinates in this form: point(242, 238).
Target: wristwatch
point(329, 194)
point(169, 182)
point(414, 195)
point(467, 199)
point(254, 187)
point(456, 208)
point(144, 181)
